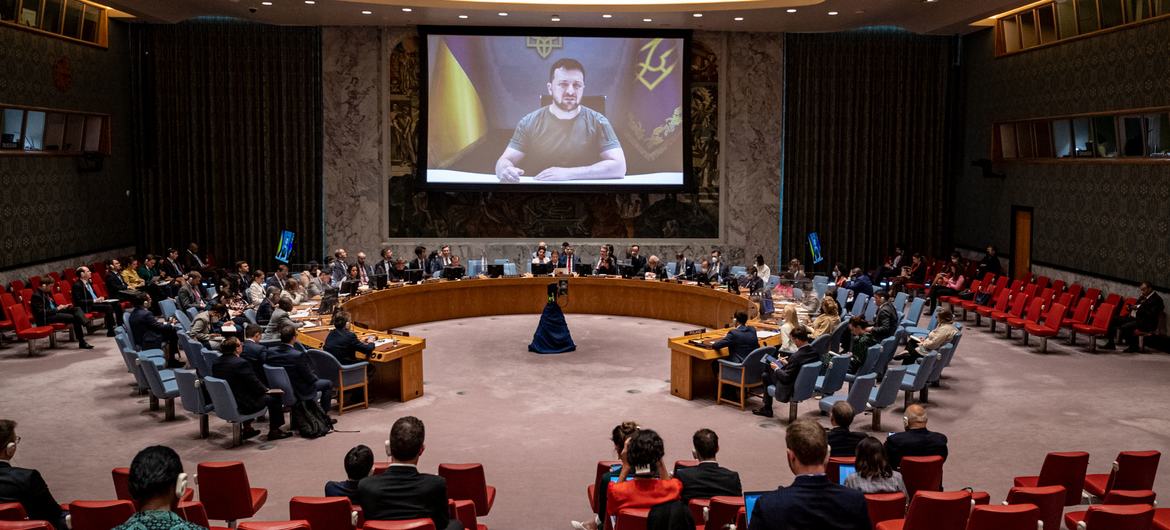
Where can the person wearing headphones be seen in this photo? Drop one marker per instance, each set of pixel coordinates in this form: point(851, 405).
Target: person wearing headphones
point(157, 482)
point(25, 486)
point(916, 440)
point(402, 492)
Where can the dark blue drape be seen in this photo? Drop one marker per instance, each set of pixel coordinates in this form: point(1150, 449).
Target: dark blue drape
point(552, 334)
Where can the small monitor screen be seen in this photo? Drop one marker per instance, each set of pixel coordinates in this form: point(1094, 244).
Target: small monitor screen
point(284, 246)
point(844, 470)
point(542, 268)
point(814, 246)
point(453, 273)
point(749, 503)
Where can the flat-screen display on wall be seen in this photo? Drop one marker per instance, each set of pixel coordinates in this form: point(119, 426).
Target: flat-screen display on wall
point(529, 109)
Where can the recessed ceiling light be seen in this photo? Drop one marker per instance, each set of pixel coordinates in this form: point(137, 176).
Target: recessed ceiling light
point(367, 12)
point(555, 18)
point(406, 10)
point(462, 16)
point(502, 14)
point(791, 10)
point(310, 2)
point(738, 19)
point(647, 20)
point(697, 15)
point(265, 3)
point(607, 15)
point(832, 13)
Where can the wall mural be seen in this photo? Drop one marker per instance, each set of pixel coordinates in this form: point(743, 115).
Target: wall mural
point(414, 213)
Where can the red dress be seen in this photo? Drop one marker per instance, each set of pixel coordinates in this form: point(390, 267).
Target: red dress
point(641, 493)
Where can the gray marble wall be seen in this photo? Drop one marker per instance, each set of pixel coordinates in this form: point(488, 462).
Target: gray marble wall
point(356, 172)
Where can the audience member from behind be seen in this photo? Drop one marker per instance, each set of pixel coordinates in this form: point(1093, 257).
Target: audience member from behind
point(359, 462)
point(25, 486)
point(151, 333)
point(791, 322)
point(917, 440)
point(829, 318)
point(652, 484)
point(402, 492)
point(281, 317)
point(739, 341)
point(783, 371)
point(843, 441)
point(343, 343)
point(304, 380)
point(874, 474)
point(707, 479)
point(944, 332)
point(885, 323)
point(811, 501)
point(618, 436)
point(251, 394)
point(157, 481)
point(255, 353)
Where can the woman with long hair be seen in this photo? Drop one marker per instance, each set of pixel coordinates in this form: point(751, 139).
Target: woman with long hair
point(874, 474)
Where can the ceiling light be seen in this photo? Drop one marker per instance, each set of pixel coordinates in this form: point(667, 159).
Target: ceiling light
point(832, 13)
point(265, 3)
point(555, 18)
point(502, 14)
point(310, 2)
point(607, 15)
point(697, 15)
point(406, 10)
point(647, 20)
point(462, 16)
point(791, 10)
point(367, 12)
point(738, 19)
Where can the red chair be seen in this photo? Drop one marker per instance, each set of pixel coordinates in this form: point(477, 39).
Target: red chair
point(1131, 497)
point(275, 525)
point(99, 515)
point(25, 331)
point(25, 525)
point(35, 282)
point(1048, 499)
point(464, 512)
point(603, 467)
point(193, 512)
point(323, 512)
point(954, 300)
point(380, 467)
point(12, 511)
point(698, 508)
point(1133, 470)
point(467, 482)
point(1015, 310)
point(1161, 519)
point(1099, 327)
point(1012, 517)
point(721, 512)
point(1075, 290)
point(885, 506)
point(1057, 287)
point(933, 510)
point(679, 464)
point(1109, 517)
point(1000, 305)
point(16, 286)
point(410, 524)
point(1049, 328)
point(1035, 309)
point(226, 493)
point(632, 519)
point(922, 473)
point(833, 468)
point(1080, 315)
point(1065, 469)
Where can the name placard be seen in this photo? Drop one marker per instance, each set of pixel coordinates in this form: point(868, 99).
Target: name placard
point(699, 331)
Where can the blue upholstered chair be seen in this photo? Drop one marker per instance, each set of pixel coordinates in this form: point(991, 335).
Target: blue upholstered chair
point(168, 307)
point(889, 348)
point(859, 301)
point(802, 388)
point(773, 281)
point(797, 294)
point(191, 395)
point(946, 353)
point(191, 312)
point(225, 407)
point(834, 377)
point(821, 345)
point(212, 293)
point(842, 298)
point(838, 335)
point(910, 319)
point(671, 268)
point(184, 320)
point(918, 381)
point(871, 309)
point(130, 357)
point(820, 289)
point(900, 303)
point(250, 314)
point(872, 355)
point(744, 376)
point(193, 351)
point(160, 387)
point(738, 270)
point(820, 279)
point(858, 394)
point(885, 395)
point(209, 358)
point(510, 269)
point(344, 376)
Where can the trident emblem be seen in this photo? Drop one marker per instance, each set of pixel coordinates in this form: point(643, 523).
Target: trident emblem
point(662, 69)
point(544, 45)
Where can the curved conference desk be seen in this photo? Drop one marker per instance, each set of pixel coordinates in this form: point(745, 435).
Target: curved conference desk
point(399, 364)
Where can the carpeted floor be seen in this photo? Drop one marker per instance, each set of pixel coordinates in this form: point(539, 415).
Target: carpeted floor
point(538, 423)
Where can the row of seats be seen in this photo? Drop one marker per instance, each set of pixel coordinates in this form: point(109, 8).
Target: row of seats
point(16, 309)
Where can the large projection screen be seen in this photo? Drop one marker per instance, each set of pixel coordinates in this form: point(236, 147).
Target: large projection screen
point(517, 109)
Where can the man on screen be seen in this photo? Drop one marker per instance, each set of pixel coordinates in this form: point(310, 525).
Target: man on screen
point(563, 141)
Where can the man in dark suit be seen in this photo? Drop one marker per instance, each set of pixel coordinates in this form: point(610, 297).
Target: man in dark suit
point(1142, 316)
point(343, 343)
point(916, 440)
point(251, 394)
point(707, 479)
point(151, 333)
point(86, 299)
point(304, 379)
point(859, 283)
point(654, 266)
point(402, 492)
point(637, 260)
point(191, 293)
point(715, 269)
point(115, 284)
point(683, 267)
point(885, 323)
point(605, 262)
point(45, 311)
point(739, 341)
point(338, 268)
point(170, 266)
point(386, 267)
point(784, 370)
point(254, 352)
point(242, 279)
point(359, 462)
point(420, 261)
point(842, 441)
point(811, 501)
point(191, 260)
point(25, 486)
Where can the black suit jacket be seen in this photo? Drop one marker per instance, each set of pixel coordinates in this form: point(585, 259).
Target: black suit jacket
point(606, 266)
point(785, 376)
point(26, 486)
point(708, 480)
point(915, 442)
point(1148, 312)
point(81, 296)
point(42, 306)
point(638, 264)
point(256, 355)
point(811, 502)
point(149, 333)
point(300, 371)
point(246, 387)
point(886, 321)
point(169, 268)
point(687, 270)
point(344, 344)
point(115, 283)
point(659, 271)
point(843, 442)
point(404, 493)
point(739, 342)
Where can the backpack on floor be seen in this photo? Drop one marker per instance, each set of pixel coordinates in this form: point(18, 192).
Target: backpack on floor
point(311, 421)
